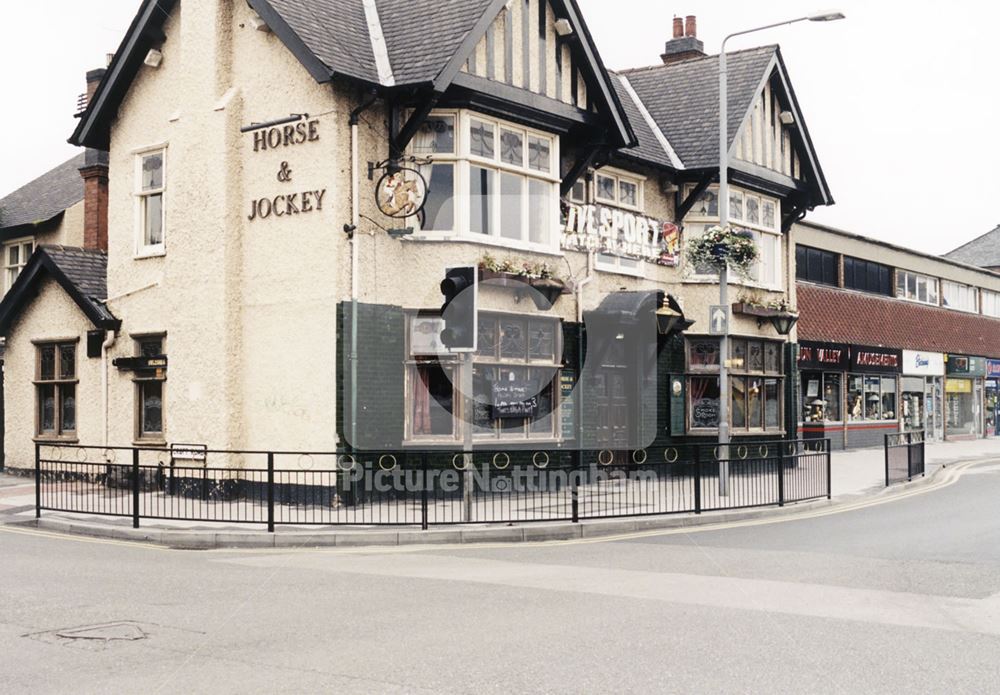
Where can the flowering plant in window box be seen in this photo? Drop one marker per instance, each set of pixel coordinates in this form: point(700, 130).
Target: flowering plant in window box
point(511, 273)
point(720, 246)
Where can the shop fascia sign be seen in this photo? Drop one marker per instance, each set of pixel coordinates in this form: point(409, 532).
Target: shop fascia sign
point(921, 363)
point(619, 232)
point(993, 368)
point(833, 356)
point(966, 366)
point(875, 359)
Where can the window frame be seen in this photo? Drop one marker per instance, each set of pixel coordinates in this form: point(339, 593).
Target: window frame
point(140, 379)
point(973, 294)
point(803, 270)
point(20, 243)
point(59, 385)
point(141, 248)
point(992, 298)
point(737, 372)
point(619, 176)
point(452, 363)
point(888, 291)
point(464, 160)
point(903, 279)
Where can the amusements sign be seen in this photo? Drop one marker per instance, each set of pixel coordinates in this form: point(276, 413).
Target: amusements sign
point(619, 232)
point(514, 400)
point(288, 203)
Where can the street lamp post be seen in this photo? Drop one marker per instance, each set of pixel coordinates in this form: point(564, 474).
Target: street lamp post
point(826, 16)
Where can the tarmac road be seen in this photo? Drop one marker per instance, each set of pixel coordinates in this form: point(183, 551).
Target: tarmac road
point(899, 596)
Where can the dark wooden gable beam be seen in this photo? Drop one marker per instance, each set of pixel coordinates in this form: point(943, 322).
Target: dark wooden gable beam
point(684, 206)
point(401, 136)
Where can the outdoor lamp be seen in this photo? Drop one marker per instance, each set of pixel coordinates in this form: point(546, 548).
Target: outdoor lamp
point(667, 320)
point(826, 16)
point(784, 323)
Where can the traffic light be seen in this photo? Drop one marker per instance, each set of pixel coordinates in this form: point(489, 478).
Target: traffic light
point(459, 310)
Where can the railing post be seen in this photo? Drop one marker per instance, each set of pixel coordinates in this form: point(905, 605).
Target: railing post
point(829, 469)
point(697, 479)
point(909, 457)
point(575, 491)
point(135, 488)
point(423, 491)
point(270, 492)
point(38, 480)
point(781, 477)
point(887, 459)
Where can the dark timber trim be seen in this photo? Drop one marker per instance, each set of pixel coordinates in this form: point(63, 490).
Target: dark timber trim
point(684, 206)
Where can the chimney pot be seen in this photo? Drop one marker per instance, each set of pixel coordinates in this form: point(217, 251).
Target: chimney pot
point(690, 26)
point(685, 44)
point(678, 28)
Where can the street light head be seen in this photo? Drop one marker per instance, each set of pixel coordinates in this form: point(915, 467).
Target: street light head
point(826, 16)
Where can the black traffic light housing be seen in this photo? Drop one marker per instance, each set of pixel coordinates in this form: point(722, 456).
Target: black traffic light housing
point(460, 311)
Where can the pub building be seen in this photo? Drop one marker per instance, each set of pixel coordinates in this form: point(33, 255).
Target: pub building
point(285, 203)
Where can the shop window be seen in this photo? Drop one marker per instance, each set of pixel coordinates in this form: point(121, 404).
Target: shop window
point(816, 265)
point(512, 352)
point(871, 398)
point(916, 288)
point(955, 295)
point(756, 380)
point(55, 390)
point(15, 256)
point(867, 276)
point(991, 303)
point(151, 185)
point(488, 180)
point(821, 397)
point(961, 405)
point(149, 390)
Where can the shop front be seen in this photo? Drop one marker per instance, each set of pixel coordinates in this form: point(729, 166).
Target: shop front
point(922, 393)
point(964, 388)
point(822, 370)
point(992, 397)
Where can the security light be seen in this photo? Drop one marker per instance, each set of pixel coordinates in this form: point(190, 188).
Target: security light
point(563, 27)
point(153, 58)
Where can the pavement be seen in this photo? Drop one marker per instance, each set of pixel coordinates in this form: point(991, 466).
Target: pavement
point(891, 594)
point(855, 474)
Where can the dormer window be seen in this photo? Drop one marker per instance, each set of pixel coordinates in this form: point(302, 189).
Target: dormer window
point(488, 181)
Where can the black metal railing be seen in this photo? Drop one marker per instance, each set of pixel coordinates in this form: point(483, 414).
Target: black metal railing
point(904, 456)
point(425, 488)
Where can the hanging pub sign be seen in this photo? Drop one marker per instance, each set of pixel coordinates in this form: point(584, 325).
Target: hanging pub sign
point(831, 356)
point(514, 399)
point(140, 364)
point(619, 232)
point(401, 192)
point(875, 360)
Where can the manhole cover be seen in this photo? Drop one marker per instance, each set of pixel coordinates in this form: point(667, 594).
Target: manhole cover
point(105, 633)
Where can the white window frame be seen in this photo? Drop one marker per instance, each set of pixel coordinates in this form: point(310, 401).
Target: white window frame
point(777, 282)
point(22, 260)
point(989, 303)
point(464, 160)
point(620, 176)
point(973, 293)
point(142, 249)
point(903, 276)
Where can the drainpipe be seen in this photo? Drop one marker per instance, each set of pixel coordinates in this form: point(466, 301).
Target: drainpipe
point(591, 258)
point(355, 258)
point(109, 340)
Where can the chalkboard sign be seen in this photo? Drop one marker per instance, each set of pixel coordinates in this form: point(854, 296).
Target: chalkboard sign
point(567, 382)
point(514, 400)
point(705, 413)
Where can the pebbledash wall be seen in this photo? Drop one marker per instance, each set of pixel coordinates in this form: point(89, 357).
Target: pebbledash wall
point(254, 312)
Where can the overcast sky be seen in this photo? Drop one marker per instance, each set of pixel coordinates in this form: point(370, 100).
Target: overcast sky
point(900, 98)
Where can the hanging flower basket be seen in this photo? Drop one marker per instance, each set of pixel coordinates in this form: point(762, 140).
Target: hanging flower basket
point(722, 246)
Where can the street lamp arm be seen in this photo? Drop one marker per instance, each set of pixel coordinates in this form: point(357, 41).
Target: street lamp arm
point(766, 26)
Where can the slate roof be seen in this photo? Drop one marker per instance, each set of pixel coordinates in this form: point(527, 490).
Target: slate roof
point(683, 98)
point(45, 197)
point(82, 273)
point(983, 251)
point(649, 149)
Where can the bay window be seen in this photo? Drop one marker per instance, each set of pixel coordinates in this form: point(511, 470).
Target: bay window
point(760, 215)
point(756, 385)
point(515, 354)
point(488, 181)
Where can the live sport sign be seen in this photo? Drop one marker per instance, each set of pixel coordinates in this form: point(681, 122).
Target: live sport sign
point(620, 232)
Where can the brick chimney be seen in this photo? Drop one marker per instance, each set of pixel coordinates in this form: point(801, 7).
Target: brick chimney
point(685, 44)
point(95, 200)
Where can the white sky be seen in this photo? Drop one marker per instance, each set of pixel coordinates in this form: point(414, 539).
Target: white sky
point(900, 98)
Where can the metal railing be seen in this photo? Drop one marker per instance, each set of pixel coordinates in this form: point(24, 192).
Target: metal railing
point(425, 488)
point(904, 456)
